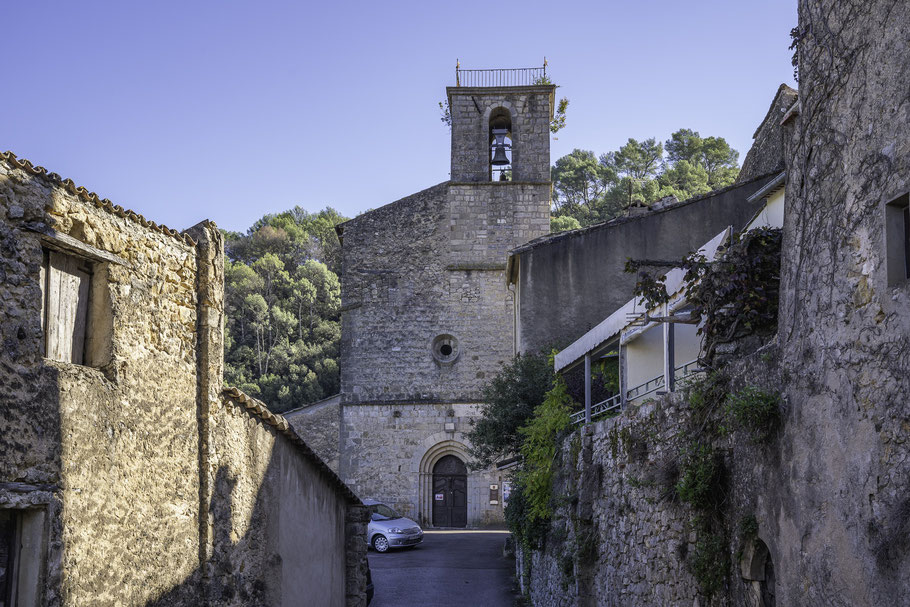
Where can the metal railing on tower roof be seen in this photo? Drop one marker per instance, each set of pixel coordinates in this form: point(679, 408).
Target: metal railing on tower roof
point(521, 76)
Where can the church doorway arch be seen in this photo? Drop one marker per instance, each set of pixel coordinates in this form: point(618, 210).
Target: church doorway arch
point(450, 492)
point(438, 447)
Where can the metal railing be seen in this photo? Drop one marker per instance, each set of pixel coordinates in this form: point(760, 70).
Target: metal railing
point(604, 406)
point(522, 76)
point(683, 376)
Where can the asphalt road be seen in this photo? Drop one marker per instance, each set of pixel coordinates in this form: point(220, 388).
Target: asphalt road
point(449, 569)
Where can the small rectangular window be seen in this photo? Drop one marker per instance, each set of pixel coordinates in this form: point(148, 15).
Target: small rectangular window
point(897, 239)
point(65, 283)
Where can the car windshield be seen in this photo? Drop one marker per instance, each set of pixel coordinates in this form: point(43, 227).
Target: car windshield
point(381, 512)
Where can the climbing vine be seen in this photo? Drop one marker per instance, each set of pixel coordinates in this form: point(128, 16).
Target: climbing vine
point(733, 296)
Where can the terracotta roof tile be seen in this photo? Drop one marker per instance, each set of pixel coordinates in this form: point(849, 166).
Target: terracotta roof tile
point(91, 197)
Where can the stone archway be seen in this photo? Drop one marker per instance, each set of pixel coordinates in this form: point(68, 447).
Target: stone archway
point(757, 570)
point(428, 462)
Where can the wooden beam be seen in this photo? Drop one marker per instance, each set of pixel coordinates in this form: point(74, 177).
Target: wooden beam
point(68, 244)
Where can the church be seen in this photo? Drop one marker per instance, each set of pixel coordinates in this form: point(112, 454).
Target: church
point(427, 314)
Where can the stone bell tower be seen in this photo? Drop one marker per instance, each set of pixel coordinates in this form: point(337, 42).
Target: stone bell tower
point(427, 316)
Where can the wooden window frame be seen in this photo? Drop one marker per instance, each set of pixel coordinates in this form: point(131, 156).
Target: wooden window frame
point(66, 293)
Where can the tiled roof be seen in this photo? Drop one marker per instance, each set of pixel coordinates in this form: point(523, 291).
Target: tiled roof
point(258, 409)
point(91, 197)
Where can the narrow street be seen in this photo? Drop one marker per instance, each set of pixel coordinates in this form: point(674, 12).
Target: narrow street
point(449, 569)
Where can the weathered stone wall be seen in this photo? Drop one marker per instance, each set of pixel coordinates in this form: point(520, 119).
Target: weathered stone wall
point(530, 107)
point(618, 536)
point(96, 432)
point(567, 283)
point(844, 331)
point(621, 536)
point(319, 425)
point(141, 473)
point(769, 142)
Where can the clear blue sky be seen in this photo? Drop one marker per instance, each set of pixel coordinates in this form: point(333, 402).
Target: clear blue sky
point(226, 110)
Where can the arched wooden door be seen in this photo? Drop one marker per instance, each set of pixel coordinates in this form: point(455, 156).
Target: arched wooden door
point(450, 493)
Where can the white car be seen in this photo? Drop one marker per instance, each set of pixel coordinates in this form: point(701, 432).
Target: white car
point(388, 529)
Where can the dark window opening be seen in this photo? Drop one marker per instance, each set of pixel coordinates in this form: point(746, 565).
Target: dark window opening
point(8, 531)
point(897, 240)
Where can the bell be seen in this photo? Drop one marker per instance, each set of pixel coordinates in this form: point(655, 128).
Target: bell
point(499, 152)
point(499, 156)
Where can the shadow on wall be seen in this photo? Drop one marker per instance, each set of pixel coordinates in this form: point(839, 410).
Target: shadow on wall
point(271, 562)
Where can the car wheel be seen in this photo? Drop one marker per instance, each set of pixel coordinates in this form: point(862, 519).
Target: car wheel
point(381, 543)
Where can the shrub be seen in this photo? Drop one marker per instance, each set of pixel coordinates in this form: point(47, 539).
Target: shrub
point(701, 476)
point(755, 410)
point(710, 562)
point(541, 435)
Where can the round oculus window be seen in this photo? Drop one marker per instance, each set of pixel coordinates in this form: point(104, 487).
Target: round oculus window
point(445, 348)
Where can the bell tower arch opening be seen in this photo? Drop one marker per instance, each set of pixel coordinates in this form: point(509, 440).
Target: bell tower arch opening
point(500, 138)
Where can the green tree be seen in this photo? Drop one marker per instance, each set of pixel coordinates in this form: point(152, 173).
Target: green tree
point(580, 182)
point(282, 302)
point(640, 173)
point(509, 400)
point(563, 223)
point(711, 154)
point(638, 160)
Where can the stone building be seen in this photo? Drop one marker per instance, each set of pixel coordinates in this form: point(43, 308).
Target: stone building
point(128, 474)
point(427, 314)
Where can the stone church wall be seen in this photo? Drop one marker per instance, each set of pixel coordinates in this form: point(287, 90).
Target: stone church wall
point(531, 109)
point(427, 267)
point(319, 424)
point(388, 445)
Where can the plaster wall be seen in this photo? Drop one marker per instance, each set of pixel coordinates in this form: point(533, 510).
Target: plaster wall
point(278, 527)
point(645, 356)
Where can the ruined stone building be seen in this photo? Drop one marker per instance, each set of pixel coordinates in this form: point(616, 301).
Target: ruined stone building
point(128, 474)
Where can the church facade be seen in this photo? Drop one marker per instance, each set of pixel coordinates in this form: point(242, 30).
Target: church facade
point(428, 314)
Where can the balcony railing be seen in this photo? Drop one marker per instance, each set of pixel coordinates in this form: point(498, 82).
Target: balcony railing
point(684, 375)
point(522, 76)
